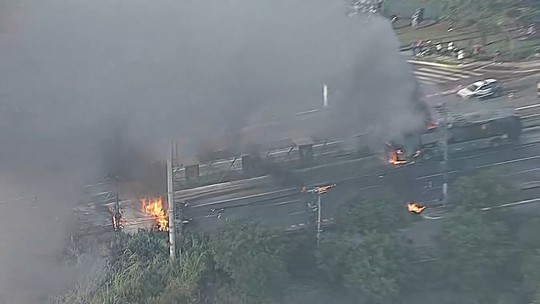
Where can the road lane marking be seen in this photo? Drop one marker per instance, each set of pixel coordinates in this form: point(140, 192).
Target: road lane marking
point(483, 166)
point(524, 171)
point(426, 82)
point(532, 106)
point(524, 202)
point(299, 225)
point(529, 185)
point(508, 162)
point(297, 213)
point(287, 202)
point(244, 197)
point(471, 73)
point(429, 79)
point(435, 76)
point(455, 74)
point(514, 204)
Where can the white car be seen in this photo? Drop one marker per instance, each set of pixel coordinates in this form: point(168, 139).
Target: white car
point(481, 89)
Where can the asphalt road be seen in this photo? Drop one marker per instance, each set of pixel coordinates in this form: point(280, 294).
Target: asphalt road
point(285, 207)
point(523, 88)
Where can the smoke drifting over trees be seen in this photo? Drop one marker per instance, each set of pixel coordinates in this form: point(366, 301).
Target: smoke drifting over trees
point(75, 74)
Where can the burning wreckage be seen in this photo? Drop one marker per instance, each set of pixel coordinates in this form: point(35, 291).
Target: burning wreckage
point(458, 128)
point(102, 214)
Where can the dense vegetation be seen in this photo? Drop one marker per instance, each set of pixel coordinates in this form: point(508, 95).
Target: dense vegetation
point(372, 256)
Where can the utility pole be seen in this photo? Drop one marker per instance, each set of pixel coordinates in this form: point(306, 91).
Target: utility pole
point(117, 215)
point(319, 218)
point(170, 200)
point(325, 95)
point(445, 156)
point(318, 190)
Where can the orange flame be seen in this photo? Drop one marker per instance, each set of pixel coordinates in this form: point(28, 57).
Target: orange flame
point(318, 189)
point(325, 188)
point(154, 207)
point(415, 207)
point(394, 157)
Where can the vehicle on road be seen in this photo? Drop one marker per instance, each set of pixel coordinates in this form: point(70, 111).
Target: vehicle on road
point(481, 89)
point(463, 133)
point(538, 88)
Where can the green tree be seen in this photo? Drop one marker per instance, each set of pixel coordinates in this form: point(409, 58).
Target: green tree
point(251, 257)
point(528, 246)
point(484, 189)
point(372, 215)
point(144, 273)
point(377, 268)
point(474, 9)
point(473, 254)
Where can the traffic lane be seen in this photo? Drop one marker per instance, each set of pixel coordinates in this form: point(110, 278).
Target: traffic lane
point(357, 188)
point(407, 187)
point(421, 232)
point(481, 159)
point(252, 197)
point(404, 186)
point(273, 215)
point(517, 169)
point(294, 204)
point(279, 213)
point(380, 170)
point(525, 91)
point(216, 197)
point(516, 156)
point(411, 186)
point(430, 189)
point(522, 88)
point(490, 156)
point(294, 214)
point(365, 170)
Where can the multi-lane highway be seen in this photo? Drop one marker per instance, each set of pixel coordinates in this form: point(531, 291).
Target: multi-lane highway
point(284, 207)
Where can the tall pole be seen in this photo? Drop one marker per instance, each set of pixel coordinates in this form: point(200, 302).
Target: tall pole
point(170, 200)
point(445, 157)
point(325, 95)
point(319, 218)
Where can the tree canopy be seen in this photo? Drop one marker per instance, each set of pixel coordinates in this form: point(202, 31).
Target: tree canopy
point(484, 189)
point(372, 215)
point(376, 269)
point(473, 251)
point(251, 258)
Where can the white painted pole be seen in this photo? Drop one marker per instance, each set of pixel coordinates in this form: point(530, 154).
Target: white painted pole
point(325, 95)
point(319, 218)
point(170, 201)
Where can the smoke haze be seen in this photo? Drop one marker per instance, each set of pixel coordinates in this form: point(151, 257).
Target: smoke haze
point(84, 83)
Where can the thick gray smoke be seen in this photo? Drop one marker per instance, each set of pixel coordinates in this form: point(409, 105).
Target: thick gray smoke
point(84, 83)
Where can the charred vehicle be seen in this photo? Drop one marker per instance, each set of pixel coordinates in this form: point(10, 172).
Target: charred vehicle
point(463, 133)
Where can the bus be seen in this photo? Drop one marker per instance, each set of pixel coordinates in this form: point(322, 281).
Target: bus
point(464, 133)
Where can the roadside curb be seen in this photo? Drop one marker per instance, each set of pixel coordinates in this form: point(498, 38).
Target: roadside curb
point(443, 65)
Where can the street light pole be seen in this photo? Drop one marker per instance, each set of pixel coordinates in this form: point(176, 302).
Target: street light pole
point(445, 156)
point(170, 200)
point(318, 190)
point(117, 215)
point(319, 218)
